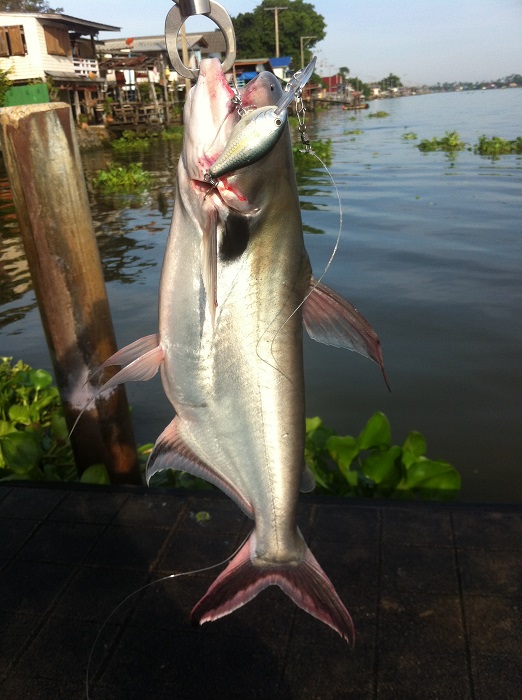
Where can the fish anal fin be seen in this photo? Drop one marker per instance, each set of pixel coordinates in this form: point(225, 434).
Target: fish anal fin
point(330, 319)
point(171, 452)
point(304, 582)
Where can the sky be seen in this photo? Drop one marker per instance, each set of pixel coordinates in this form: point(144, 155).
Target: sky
point(421, 41)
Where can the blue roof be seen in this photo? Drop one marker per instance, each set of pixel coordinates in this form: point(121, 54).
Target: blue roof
point(281, 62)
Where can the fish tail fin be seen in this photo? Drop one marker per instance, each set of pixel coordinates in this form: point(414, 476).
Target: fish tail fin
point(304, 582)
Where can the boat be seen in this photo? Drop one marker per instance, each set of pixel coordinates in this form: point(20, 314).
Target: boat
point(360, 105)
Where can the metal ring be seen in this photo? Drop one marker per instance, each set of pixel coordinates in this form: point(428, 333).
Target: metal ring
point(219, 16)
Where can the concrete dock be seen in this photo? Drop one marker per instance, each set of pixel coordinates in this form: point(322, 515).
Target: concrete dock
point(434, 591)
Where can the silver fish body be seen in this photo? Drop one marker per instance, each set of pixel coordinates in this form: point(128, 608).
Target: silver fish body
point(229, 347)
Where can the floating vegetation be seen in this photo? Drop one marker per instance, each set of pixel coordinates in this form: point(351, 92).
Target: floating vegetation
point(450, 143)
point(378, 115)
point(173, 133)
point(303, 161)
point(496, 146)
point(410, 136)
point(370, 465)
point(119, 178)
point(355, 132)
point(34, 438)
point(130, 141)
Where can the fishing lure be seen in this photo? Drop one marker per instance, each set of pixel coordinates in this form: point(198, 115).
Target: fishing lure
point(251, 139)
point(254, 136)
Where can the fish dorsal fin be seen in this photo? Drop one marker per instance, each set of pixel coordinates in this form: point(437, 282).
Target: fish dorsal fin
point(332, 320)
point(307, 480)
point(171, 452)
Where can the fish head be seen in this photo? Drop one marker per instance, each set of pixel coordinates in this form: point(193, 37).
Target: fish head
point(210, 116)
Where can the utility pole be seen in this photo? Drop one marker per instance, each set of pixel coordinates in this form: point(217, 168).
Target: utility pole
point(275, 10)
point(301, 40)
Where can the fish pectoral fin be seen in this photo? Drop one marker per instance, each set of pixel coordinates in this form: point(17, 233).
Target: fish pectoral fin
point(307, 480)
point(330, 319)
point(304, 582)
point(209, 257)
point(142, 358)
point(132, 352)
point(171, 452)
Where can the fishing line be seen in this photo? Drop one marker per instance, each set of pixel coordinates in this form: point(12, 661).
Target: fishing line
point(142, 588)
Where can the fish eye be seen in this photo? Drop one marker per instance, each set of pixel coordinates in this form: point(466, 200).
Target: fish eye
point(272, 88)
point(278, 122)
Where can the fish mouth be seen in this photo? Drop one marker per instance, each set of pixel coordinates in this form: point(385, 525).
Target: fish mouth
point(211, 112)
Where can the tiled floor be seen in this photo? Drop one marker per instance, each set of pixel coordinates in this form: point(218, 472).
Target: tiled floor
point(434, 590)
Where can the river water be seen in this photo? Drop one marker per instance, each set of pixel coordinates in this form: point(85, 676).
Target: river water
point(430, 252)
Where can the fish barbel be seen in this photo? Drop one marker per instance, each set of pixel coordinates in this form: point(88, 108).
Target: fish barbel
point(230, 348)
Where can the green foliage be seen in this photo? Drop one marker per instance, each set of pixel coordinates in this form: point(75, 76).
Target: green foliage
point(355, 132)
point(496, 146)
point(304, 161)
point(450, 143)
point(369, 465)
point(119, 178)
point(410, 136)
point(34, 440)
point(130, 141)
point(28, 6)
point(5, 83)
point(173, 133)
point(392, 81)
point(255, 33)
point(359, 86)
point(378, 115)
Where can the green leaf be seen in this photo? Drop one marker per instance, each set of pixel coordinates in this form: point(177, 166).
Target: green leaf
point(21, 451)
point(429, 473)
point(376, 433)
point(313, 423)
point(383, 467)
point(343, 450)
point(59, 427)
point(413, 447)
point(20, 414)
point(323, 476)
point(5, 427)
point(40, 379)
point(95, 474)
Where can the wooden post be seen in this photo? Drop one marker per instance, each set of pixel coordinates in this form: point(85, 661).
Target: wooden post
point(43, 163)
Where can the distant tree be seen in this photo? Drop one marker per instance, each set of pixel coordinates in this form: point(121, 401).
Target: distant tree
point(344, 71)
point(28, 6)
point(392, 81)
point(255, 33)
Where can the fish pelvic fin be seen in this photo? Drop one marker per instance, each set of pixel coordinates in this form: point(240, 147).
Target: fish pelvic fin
point(172, 452)
point(304, 582)
point(332, 320)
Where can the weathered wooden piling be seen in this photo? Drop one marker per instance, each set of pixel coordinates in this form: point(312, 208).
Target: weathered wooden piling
point(45, 172)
